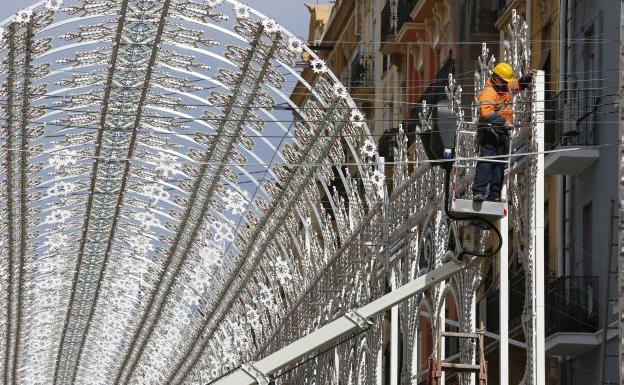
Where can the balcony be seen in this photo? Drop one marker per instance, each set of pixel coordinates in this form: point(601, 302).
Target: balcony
point(404, 8)
point(571, 305)
point(388, 20)
point(572, 315)
point(361, 74)
point(483, 21)
point(397, 26)
point(570, 124)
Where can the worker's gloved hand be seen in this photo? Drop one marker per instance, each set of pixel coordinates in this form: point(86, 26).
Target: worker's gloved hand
point(527, 78)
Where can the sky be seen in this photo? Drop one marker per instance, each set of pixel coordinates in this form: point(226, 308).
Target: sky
point(291, 14)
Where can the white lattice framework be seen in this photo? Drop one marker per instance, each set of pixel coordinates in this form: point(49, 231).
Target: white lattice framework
point(168, 213)
point(162, 197)
point(409, 236)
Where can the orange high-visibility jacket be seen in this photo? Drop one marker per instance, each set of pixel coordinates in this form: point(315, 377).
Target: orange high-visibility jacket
point(493, 102)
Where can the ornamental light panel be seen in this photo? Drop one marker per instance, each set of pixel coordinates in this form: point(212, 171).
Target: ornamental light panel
point(161, 194)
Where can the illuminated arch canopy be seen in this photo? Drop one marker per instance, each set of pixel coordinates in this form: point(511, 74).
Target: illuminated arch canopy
point(163, 200)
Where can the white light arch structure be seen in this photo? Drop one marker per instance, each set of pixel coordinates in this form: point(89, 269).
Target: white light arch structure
point(162, 199)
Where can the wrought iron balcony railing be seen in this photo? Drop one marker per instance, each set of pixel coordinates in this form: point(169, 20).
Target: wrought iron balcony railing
point(362, 71)
point(388, 20)
point(404, 8)
point(571, 118)
point(484, 17)
point(394, 15)
point(571, 305)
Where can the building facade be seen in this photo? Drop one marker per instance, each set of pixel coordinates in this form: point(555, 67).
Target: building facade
point(583, 190)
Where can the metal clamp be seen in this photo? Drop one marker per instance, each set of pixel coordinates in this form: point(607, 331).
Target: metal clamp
point(255, 373)
point(358, 319)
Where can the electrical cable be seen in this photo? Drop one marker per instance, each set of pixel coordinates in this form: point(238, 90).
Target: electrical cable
point(417, 162)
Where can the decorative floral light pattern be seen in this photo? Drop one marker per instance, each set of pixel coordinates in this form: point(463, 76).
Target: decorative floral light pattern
point(358, 119)
point(236, 202)
point(318, 66)
point(368, 149)
point(139, 212)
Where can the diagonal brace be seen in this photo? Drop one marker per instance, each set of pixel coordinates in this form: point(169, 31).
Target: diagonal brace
point(344, 325)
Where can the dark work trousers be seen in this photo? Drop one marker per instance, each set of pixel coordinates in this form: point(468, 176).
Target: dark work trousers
point(490, 173)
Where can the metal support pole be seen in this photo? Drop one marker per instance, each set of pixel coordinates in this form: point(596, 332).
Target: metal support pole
point(442, 348)
point(473, 329)
point(504, 302)
point(394, 338)
point(620, 238)
point(343, 325)
point(539, 337)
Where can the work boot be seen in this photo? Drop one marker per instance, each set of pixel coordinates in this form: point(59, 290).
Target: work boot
point(478, 197)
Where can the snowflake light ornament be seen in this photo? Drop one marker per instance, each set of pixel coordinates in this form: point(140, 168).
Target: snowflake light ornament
point(242, 11)
point(224, 231)
point(282, 271)
point(23, 17)
point(318, 66)
point(295, 45)
point(56, 241)
point(141, 245)
point(266, 297)
point(210, 257)
point(378, 179)
point(236, 202)
point(340, 91)
point(53, 5)
point(253, 318)
point(58, 216)
point(155, 192)
point(61, 188)
point(369, 149)
point(357, 119)
point(147, 219)
point(63, 159)
point(270, 25)
point(166, 165)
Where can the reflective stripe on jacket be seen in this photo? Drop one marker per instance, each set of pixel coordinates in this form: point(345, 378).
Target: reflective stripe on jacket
point(494, 102)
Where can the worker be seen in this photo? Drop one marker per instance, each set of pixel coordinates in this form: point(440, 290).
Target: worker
point(495, 112)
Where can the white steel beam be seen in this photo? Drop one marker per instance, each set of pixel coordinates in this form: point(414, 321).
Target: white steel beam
point(342, 326)
point(539, 355)
point(504, 302)
point(394, 338)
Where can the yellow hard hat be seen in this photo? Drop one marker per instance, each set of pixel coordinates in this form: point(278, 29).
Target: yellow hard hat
point(504, 70)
